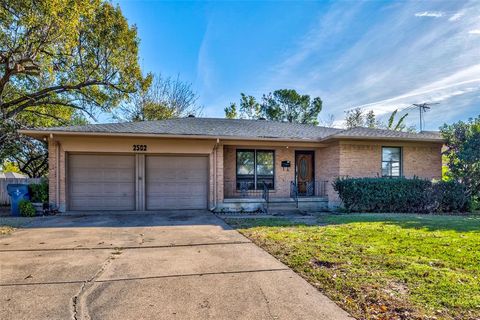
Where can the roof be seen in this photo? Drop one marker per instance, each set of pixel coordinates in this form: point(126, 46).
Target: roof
point(363, 133)
point(233, 129)
point(10, 175)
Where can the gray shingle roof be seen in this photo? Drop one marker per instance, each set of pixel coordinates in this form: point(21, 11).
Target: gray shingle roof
point(209, 127)
point(240, 128)
point(361, 132)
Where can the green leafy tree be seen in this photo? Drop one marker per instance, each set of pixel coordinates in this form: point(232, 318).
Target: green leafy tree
point(355, 118)
point(63, 54)
point(248, 108)
point(462, 142)
point(281, 105)
point(290, 106)
point(231, 111)
point(159, 98)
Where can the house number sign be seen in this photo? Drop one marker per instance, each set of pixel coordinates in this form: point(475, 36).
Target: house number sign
point(139, 147)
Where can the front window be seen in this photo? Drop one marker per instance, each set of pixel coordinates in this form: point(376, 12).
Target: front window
point(254, 167)
point(391, 161)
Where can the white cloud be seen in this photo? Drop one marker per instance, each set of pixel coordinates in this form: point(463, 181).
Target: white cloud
point(456, 16)
point(475, 31)
point(430, 14)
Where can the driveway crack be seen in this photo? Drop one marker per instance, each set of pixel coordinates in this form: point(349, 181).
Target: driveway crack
point(267, 302)
point(79, 305)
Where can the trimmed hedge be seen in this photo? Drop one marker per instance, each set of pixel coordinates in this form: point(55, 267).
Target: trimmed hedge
point(401, 195)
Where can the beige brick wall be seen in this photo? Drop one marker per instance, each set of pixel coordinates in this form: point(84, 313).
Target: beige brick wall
point(423, 161)
point(220, 173)
point(52, 171)
point(363, 159)
point(327, 163)
point(55, 149)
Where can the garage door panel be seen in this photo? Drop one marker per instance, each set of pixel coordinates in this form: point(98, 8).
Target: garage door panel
point(101, 182)
point(92, 188)
point(176, 189)
point(109, 203)
point(176, 182)
point(102, 175)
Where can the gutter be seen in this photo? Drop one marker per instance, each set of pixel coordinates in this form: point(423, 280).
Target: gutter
point(211, 137)
point(158, 135)
point(328, 139)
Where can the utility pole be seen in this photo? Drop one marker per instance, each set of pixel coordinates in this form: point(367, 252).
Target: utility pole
point(423, 107)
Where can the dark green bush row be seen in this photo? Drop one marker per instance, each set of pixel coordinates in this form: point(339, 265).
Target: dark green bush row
point(401, 195)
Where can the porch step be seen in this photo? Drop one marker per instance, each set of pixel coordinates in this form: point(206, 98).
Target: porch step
point(282, 206)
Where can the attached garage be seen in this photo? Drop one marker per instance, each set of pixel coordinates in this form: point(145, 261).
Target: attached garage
point(101, 182)
point(108, 182)
point(176, 182)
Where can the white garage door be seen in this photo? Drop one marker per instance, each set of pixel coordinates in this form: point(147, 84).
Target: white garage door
point(101, 182)
point(176, 182)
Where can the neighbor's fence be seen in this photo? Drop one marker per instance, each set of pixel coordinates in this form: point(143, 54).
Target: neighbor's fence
point(4, 197)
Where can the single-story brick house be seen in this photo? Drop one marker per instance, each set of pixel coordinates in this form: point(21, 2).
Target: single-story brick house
point(222, 164)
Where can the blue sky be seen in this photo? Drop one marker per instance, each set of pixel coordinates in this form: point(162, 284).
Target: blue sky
point(378, 55)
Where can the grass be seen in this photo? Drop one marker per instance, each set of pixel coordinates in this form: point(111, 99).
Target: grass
point(383, 266)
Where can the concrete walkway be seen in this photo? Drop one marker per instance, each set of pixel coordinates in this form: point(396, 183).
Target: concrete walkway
point(167, 265)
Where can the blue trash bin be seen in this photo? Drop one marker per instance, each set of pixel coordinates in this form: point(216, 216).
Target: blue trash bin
point(17, 192)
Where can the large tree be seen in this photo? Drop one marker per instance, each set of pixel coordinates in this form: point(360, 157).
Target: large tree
point(462, 152)
point(160, 98)
point(290, 106)
point(281, 105)
point(56, 54)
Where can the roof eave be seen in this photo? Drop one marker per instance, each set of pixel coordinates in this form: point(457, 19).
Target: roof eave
point(41, 134)
point(433, 140)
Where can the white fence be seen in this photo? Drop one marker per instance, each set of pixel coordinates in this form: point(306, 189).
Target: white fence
point(4, 197)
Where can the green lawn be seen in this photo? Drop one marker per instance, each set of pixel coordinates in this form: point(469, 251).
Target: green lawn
point(383, 266)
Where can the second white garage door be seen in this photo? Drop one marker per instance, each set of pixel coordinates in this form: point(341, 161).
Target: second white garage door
point(176, 182)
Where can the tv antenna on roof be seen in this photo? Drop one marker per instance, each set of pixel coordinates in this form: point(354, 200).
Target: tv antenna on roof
point(423, 107)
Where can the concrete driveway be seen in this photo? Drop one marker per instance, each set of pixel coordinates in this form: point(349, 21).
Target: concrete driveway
point(168, 265)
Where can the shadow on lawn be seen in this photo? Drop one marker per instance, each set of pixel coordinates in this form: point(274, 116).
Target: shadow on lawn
point(456, 223)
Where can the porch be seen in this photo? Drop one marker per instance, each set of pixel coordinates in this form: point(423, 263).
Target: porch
point(243, 197)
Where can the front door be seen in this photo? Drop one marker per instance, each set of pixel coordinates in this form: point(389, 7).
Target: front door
point(304, 172)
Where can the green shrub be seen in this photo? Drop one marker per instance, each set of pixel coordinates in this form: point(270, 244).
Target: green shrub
point(401, 195)
point(449, 196)
point(26, 208)
point(39, 192)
